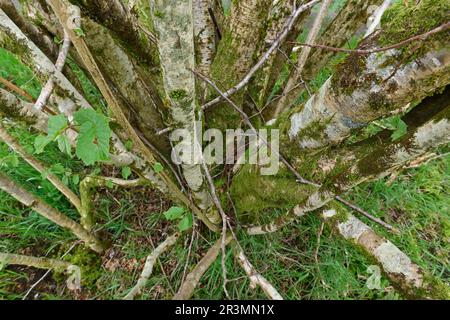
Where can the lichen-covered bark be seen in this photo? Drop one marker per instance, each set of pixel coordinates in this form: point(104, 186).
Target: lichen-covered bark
point(137, 88)
point(366, 87)
point(339, 169)
point(236, 55)
point(404, 274)
point(205, 34)
point(115, 16)
point(261, 87)
point(174, 25)
point(350, 18)
point(18, 110)
point(291, 89)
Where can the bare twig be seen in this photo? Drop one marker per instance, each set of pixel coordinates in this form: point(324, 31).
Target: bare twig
point(11, 86)
point(192, 279)
point(290, 23)
point(149, 263)
point(47, 272)
point(301, 61)
point(255, 277)
point(419, 37)
point(368, 215)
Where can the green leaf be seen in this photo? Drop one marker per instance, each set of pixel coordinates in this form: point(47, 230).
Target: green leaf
point(158, 167)
point(93, 137)
point(109, 184)
point(174, 213)
point(400, 131)
point(10, 160)
point(79, 32)
point(56, 125)
point(40, 142)
point(64, 145)
point(58, 169)
point(185, 223)
point(65, 180)
point(128, 145)
point(75, 179)
point(126, 172)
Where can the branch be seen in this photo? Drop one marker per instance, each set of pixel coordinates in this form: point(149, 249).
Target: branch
point(36, 164)
point(87, 186)
point(11, 86)
point(48, 88)
point(399, 268)
point(193, 278)
point(74, 272)
point(312, 35)
point(149, 263)
point(41, 207)
point(276, 44)
point(420, 37)
point(254, 276)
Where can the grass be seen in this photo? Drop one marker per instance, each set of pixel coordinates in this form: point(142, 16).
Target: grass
point(133, 222)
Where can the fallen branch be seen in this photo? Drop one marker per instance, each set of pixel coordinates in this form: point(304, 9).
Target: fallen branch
point(254, 276)
point(193, 278)
point(74, 272)
point(399, 268)
point(41, 207)
point(148, 267)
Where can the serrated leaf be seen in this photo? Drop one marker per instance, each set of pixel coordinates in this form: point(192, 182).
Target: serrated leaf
point(93, 138)
point(174, 213)
point(126, 172)
point(185, 223)
point(158, 167)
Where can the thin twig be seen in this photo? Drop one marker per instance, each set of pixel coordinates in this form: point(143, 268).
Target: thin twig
point(47, 272)
point(149, 263)
point(11, 86)
point(420, 37)
point(60, 61)
point(290, 23)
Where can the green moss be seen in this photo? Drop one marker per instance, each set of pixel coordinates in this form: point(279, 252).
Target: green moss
point(399, 22)
point(278, 191)
point(89, 263)
point(178, 94)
